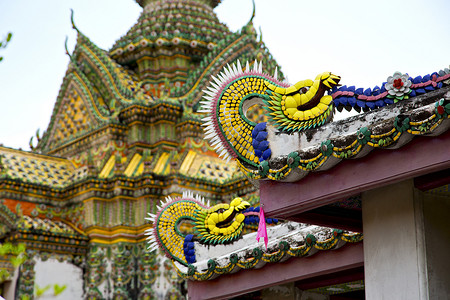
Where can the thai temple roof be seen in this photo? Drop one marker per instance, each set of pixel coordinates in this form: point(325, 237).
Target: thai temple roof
point(152, 73)
point(126, 130)
point(206, 167)
point(50, 226)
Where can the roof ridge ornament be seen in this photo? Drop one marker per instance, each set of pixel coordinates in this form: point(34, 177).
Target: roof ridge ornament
point(220, 224)
point(72, 21)
point(260, 35)
point(293, 109)
point(249, 28)
point(253, 13)
point(66, 48)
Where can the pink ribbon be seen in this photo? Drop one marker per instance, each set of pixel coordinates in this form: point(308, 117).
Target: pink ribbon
point(262, 230)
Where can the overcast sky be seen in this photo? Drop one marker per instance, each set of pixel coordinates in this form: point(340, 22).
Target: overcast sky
point(362, 41)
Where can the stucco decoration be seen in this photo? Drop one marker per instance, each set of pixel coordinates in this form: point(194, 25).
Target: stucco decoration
point(296, 139)
point(289, 108)
point(398, 86)
point(217, 225)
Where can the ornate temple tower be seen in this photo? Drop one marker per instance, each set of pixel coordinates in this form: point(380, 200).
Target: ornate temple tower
point(169, 40)
point(124, 134)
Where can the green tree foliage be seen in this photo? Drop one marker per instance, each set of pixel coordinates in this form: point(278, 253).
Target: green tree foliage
point(15, 254)
point(5, 42)
point(57, 289)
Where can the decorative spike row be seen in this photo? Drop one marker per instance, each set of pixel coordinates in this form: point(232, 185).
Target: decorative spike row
point(225, 125)
point(397, 87)
point(163, 233)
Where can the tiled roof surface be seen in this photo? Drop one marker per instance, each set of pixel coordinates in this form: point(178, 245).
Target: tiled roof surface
point(52, 226)
point(36, 168)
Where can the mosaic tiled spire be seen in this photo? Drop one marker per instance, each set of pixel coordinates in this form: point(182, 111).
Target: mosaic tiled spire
point(169, 39)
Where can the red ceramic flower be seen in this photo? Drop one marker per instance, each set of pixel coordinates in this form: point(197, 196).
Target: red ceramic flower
point(398, 83)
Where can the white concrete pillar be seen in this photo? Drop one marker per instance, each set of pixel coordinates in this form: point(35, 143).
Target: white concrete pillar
point(436, 215)
point(394, 252)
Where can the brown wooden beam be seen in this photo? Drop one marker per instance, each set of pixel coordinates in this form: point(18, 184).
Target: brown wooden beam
point(421, 156)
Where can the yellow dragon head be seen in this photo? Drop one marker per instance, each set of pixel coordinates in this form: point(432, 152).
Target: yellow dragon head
point(222, 223)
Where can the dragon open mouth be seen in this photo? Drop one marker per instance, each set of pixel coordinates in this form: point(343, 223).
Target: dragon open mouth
point(323, 87)
point(228, 221)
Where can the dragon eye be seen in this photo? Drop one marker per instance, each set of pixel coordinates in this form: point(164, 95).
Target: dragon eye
point(304, 90)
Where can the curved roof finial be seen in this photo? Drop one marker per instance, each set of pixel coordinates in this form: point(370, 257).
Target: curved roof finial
point(249, 28)
point(65, 46)
point(260, 35)
point(71, 20)
point(254, 10)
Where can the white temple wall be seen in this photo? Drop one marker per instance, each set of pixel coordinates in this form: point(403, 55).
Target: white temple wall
point(51, 272)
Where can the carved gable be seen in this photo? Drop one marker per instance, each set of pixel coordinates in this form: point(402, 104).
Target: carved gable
point(73, 117)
